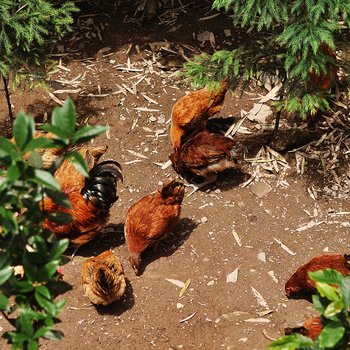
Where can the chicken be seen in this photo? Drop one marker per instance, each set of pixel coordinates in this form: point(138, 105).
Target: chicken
point(91, 198)
point(301, 283)
point(151, 219)
point(102, 278)
point(205, 155)
point(191, 112)
point(324, 81)
point(312, 328)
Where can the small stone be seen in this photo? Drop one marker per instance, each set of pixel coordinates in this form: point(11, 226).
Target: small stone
point(204, 219)
point(210, 283)
point(179, 305)
point(152, 119)
point(233, 276)
point(260, 189)
point(262, 257)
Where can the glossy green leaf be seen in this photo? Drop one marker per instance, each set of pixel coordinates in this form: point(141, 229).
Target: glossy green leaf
point(43, 298)
point(62, 135)
point(290, 342)
point(24, 286)
point(33, 345)
point(4, 303)
point(59, 197)
point(88, 132)
point(79, 163)
point(30, 270)
point(334, 308)
point(23, 130)
point(48, 270)
point(65, 118)
point(327, 291)
point(35, 160)
point(331, 334)
point(344, 288)
point(59, 248)
point(40, 143)
point(329, 276)
point(43, 177)
point(8, 152)
point(13, 173)
point(5, 273)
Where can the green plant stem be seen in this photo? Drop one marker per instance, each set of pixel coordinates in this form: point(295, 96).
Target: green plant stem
point(8, 99)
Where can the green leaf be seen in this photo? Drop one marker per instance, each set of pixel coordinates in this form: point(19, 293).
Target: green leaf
point(64, 118)
point(13, 173)
point(23, 129)
point(79, 163)
point(4, 303)
point(40, 143)
point(59, 197)
point(48, 270)
point(58, 249)
point(290, 342)
point(30, 269)
point(327, 291)
point(344, 288)
point(33, 345)
point(88, 132)
point(7, 151)
point(334, 308)
point(24, 286)
point(43, 177)
point(328, 276)
point(43, 297)
point(35, 160)
point(5, 273)
point(62, 135)
point(331, 334)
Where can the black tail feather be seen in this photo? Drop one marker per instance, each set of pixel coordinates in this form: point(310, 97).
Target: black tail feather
point(100, 186)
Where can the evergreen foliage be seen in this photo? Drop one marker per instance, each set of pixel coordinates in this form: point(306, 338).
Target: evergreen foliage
point(286, 39)
point(26, 299)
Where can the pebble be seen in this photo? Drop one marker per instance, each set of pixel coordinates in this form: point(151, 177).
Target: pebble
point(204, 219)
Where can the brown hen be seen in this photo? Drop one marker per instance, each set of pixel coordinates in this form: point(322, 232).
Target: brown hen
point(312, 328)
point(151, 219)
point(301, 284)
point(205, 155)
point(102, 278)
point(191, 112)
point(91, 198)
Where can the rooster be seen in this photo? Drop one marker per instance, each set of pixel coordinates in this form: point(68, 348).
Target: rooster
point(205, 155)
point(151, 219)
point(301, 284)
point(102, 278)
point(312, 328)
point(91, 198)
point(191, 112)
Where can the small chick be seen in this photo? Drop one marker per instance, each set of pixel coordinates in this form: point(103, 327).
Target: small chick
point(102, 278)
point(301, 283)
point(151, 219)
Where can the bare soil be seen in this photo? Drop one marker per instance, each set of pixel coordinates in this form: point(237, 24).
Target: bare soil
point(203, 248)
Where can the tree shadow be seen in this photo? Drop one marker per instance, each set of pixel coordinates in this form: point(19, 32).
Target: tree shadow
point(120, 306)
point(59, 288)
point(170, 245)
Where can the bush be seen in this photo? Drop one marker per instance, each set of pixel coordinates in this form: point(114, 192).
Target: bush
point(25, 299)
point(293, 40)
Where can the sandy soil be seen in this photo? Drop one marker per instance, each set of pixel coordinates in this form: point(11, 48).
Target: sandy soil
point(203, 248)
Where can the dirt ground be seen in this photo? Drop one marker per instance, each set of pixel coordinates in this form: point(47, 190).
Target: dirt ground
point(120, 82)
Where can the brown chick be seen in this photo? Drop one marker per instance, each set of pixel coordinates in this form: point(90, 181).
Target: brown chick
point(102, 278)
point(300, 283)
point(91, 198)
point(151, 219)
point(312, 328)
point(191, 112)
point(204, 156)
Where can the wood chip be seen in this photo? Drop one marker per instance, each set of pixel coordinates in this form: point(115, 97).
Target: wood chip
point(137, 154)
point(233, 276)
point(261, 301)
point(184, 288)
point(175, 282)
point(145, 109)
point(56, 99)
point(236, 237)
point(258, 320)
point(284, 247)
point(188, 318)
